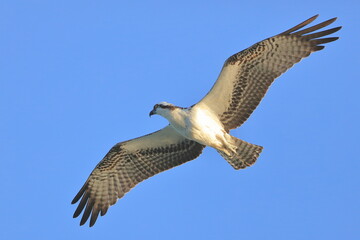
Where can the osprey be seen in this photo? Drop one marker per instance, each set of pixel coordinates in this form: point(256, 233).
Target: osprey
point(242, 83)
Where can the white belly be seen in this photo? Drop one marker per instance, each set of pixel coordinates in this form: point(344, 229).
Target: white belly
point(198, 124)
point(205, 128)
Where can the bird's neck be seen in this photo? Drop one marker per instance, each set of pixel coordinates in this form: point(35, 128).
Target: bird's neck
point(177, 117)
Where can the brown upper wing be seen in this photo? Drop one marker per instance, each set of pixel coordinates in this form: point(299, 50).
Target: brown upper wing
point(247, 75)
point(127, 164)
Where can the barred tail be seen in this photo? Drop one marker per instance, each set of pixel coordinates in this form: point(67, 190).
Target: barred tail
point(245, 156)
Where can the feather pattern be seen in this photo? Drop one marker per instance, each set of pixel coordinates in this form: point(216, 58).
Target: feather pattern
point(127, 164)
point(247, 75)
point(242, 83)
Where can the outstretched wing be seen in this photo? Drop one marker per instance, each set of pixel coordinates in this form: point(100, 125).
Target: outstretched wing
point(127, 164)
point(247, 75)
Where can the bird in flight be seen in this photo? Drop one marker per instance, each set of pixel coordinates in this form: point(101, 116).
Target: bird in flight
point(242, 83)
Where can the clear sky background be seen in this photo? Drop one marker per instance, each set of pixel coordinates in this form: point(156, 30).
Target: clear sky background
point(78, 76)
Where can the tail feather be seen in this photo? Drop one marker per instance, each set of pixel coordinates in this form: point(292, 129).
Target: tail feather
point(245, 156)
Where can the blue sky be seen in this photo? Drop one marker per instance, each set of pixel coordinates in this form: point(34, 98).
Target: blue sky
point(78, 76)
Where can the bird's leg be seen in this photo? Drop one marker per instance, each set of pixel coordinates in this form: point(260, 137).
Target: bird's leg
point(226, 144)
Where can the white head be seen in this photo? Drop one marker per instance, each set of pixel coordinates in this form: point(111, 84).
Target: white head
point(162, 109)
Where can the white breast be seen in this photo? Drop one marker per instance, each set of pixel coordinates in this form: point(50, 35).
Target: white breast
point(198, 124)
point(204, 127)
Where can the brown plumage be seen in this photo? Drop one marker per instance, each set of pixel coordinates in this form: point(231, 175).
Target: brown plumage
point(242, 83)
point(247, 75)
point(127, 164)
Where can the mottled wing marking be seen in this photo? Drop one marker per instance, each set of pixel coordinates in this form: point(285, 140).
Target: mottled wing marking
point(126, 164)
point(247, 75)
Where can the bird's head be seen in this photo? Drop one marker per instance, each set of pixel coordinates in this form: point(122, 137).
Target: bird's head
point(162, 109)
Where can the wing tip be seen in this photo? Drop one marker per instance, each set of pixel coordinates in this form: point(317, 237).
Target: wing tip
point(310, 29)
point(319, 41)
point(75, 200)
point(80, 193)
point(318, 48)
point(313, 17)
point(87, 212)
point(300, 25)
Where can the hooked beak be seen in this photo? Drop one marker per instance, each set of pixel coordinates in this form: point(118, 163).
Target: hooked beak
point(152, 113)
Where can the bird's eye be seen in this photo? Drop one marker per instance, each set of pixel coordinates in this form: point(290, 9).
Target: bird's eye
point(156, 106)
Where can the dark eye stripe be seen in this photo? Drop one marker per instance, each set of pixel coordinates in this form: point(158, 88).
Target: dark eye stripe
point(166, 106)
